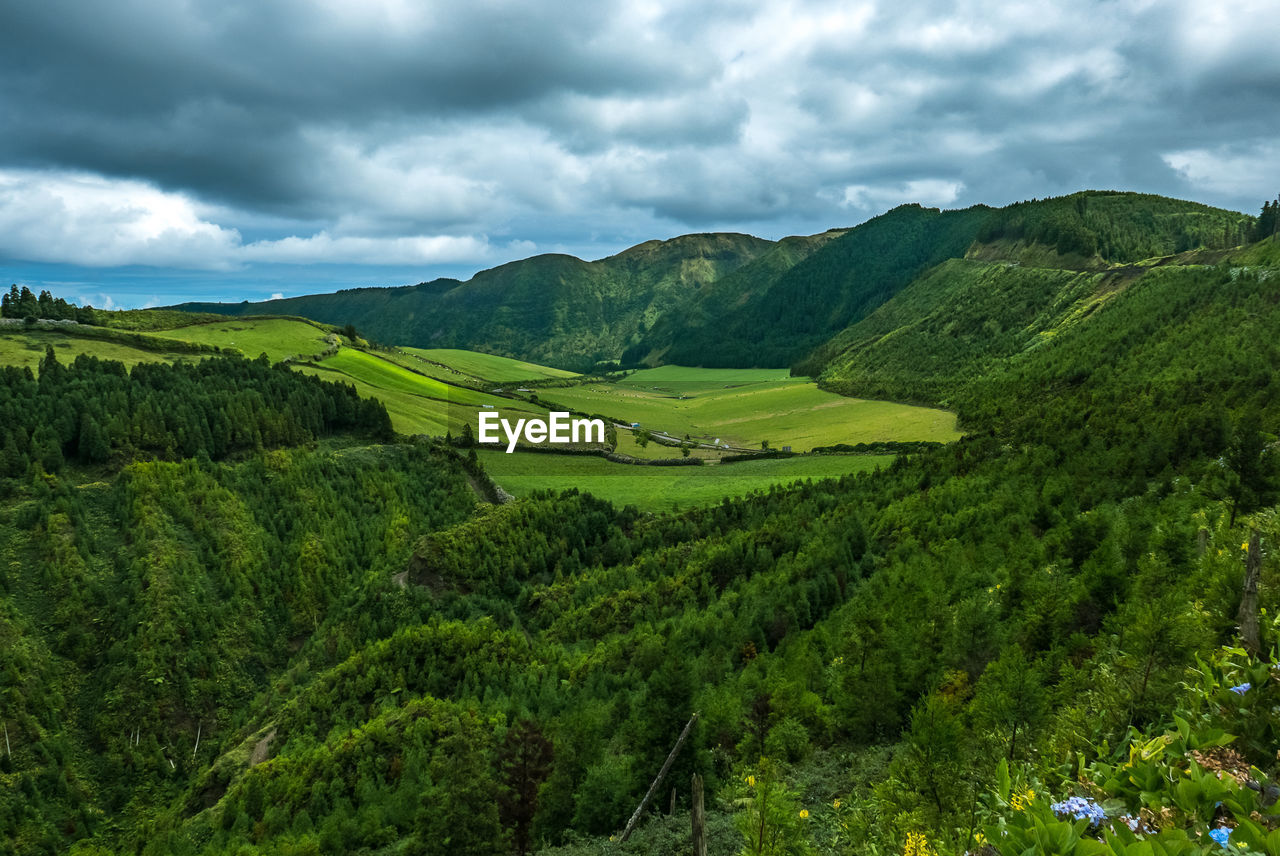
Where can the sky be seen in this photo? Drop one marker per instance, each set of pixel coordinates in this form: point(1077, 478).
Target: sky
point(154, 151)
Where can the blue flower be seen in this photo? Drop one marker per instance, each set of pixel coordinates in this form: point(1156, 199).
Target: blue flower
point(1080, 808)
point(1221, 835)
point(1242, 689)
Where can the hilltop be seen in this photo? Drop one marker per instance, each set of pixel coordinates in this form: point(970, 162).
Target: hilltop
point(729, 300)
point(552, 309)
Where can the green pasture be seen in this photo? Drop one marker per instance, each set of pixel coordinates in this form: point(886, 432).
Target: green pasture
point(747, 407)
point(659, 489)
point(27, 348)
point(486, 366)
point(278, 338)
point(417, 404)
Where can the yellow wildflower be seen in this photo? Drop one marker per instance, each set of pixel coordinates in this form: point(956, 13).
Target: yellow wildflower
point(917, 845)
point(835, 804)
point(751, 781)
point(804, 812)
point(1022, 800)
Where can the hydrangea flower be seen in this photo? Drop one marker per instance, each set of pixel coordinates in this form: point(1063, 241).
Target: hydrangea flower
point(1220, 835)
point(1080, 808)
point(1242, 689)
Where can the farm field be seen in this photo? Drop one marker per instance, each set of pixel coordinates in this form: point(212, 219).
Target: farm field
point(278, 338)
point(748, 407)
point(417, 404)
point(660, 489)
point(485, 366)
point(654, 450)
point(27, 348)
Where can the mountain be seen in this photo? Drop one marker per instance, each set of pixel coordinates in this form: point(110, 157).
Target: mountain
point(1035, 270)
point(552, 309)
point(772, 315)
point(258, 624)
point(730, 300)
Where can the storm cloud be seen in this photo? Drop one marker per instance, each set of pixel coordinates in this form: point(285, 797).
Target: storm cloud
point(228, 136)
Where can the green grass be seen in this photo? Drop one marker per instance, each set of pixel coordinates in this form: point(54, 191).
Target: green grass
point(417, 404)
point(662, 488)
point(746, 407)
point(485, 366)
point(278, 338)
point(27, 348)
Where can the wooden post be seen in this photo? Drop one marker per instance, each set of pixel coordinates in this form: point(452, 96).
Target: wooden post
point(672, 808)
point(1247, 617)
point(699, 819)
point(662, 774)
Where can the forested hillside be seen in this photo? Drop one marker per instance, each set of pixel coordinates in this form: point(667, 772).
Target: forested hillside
point(552, 309)
point(1057, 635)
point(741, 302)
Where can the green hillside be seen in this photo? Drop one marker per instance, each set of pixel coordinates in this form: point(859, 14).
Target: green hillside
point(726, 300)
point(278, 338)
point(550, 309)
point(789, 311)
point(238, 615)
point(487, 367)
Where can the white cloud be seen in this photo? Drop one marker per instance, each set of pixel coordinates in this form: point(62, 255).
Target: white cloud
point(1230, 170)
point(399, 132)
point(95, 221)
point(90, 220)
point(931, 192)
point(276, 295)
point(323, 247)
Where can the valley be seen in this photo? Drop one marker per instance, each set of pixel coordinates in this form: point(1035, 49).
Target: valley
point(1013, 592)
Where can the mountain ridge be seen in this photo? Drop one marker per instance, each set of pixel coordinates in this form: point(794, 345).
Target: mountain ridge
point(727, 299)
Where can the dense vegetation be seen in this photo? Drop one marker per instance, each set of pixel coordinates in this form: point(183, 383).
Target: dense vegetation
point(22, 303)
point(552, 309)
point(1038, 639)
point(782, 319)
point(738, 302)
point(94, 409)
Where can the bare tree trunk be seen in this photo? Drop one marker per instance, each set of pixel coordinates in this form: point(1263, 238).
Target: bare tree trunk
point(1247, 617)
point(1202, 541)
point(7, 750)
point(199, 729)
point(699, 819)
point(662, 774)
point(672, 808)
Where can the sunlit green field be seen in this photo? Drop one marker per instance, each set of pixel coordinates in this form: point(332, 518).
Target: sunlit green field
point(662, 488)
point(278, 338)
point(484, 366)
point(27, 348)
point(417, 404)
point(748, 407)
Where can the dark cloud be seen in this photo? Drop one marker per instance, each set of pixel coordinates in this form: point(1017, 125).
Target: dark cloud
point(427, 130)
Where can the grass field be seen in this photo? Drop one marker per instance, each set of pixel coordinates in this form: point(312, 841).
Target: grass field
point(662, 488)
point(417, 404)
point(485, 366)
point(654, 451)
point(278, 338)
point(27, 348)
point(418, 389)
point(746, 407)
